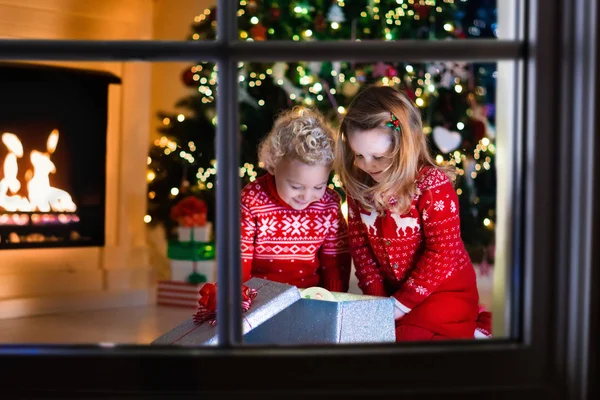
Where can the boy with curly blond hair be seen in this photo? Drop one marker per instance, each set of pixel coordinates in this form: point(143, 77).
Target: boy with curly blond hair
point(293, 230)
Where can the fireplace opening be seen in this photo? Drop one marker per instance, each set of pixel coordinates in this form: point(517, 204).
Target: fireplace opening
point(53, 124)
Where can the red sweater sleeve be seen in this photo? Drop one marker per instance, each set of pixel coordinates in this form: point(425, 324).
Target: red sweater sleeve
point(370, 279)
point(335, 254)
point(444, 251)
point(248, 233)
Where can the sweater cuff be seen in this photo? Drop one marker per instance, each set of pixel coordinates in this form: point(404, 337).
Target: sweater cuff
point(374, 289)
point(407, 298)
point(401, 306)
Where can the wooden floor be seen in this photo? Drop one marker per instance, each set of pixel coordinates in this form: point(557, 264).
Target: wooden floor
point(134, 325)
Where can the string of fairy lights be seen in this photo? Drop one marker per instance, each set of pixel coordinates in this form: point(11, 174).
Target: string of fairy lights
point(310, 90)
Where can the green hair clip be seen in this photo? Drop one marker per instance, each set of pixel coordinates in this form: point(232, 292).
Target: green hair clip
point(394, 123)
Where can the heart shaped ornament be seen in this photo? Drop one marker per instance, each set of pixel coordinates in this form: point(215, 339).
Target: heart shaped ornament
point(446, 140)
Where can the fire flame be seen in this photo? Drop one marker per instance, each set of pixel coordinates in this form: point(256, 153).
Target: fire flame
point(41, 195)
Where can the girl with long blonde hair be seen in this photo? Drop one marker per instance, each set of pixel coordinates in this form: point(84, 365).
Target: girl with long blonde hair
point(404, 221)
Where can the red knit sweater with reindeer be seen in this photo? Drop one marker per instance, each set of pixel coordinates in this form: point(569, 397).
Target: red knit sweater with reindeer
point(412, 255)
point(303, 248)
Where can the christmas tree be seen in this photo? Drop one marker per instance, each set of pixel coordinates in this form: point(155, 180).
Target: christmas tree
point(456, 99)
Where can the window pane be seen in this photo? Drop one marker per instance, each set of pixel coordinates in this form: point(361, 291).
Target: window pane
point(367, 20)
point(89, 187)
point(460, 113)
point(103, 20)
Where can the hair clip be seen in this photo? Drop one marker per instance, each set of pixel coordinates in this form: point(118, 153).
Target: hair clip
point(394, 123)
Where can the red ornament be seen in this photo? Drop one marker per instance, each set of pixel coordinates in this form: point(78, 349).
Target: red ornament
point(258, 32)
point(320, 23)
point(275, 13)
point(410, 93)
point(391, 72)
point(478, 129)
point(188, 78)
point(422, 11)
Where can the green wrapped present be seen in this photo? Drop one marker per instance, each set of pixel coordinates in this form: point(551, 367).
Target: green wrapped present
point(191, 251)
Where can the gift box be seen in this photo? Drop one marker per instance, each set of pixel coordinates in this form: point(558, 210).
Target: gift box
point(186, 258)
point(191, 251)
point(278, 315)
point(178, 294)
point(181, 270)
point(202, 234)
point(351, 318)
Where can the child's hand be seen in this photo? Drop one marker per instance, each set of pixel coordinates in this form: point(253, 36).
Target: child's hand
point(398, 313)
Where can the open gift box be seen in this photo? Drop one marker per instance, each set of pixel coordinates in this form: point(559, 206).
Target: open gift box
point(280, 316)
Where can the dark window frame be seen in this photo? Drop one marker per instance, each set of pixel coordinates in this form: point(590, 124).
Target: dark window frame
point(554, 231)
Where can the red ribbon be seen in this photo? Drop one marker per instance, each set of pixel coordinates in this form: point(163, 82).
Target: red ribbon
point(207, 304)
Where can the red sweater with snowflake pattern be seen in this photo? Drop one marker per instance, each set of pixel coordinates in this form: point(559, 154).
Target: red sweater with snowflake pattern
point(303, 248)
point(412, 255)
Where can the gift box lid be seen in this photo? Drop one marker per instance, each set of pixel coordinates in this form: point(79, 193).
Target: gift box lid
point(278, 315)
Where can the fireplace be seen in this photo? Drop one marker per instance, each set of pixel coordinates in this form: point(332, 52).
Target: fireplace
point(53, 129)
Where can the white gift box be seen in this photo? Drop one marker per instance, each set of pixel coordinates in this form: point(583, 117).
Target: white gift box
point(201, 234)
point(181, 269)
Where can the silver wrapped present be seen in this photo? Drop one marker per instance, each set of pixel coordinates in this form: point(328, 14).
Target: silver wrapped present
point(279, 316)
point(351, 318)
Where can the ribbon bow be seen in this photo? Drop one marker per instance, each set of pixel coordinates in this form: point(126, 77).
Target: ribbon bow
point(394, 123)
point(207, 304)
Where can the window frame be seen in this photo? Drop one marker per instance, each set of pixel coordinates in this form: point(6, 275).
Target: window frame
point(552, 250)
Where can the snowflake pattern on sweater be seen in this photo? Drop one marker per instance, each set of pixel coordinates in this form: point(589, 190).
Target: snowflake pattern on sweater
point(299, 247)
point(412, 255)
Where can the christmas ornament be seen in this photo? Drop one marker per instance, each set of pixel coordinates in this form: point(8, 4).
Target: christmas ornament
point(380, 69)
point(448, 70)
point(478, 129)
point(258, 32)
point(275, 13)
point(445, 140)
point(391, 71)
point(315, 67)
point(336, 14)
point(421, 10)
point(185, 185)
point(361, 76)
point(320, 23)
point(188, 78)
point(251, 6)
